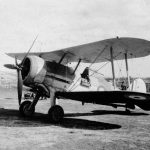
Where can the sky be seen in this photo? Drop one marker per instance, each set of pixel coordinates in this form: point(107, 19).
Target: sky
point(60, 24)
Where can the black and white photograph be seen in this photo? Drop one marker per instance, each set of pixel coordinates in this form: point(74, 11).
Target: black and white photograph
point(74, 74)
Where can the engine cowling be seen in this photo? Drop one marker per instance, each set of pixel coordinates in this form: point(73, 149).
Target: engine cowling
point(33, 70)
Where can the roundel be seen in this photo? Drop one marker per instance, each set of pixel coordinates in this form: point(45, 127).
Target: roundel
point(137, 97)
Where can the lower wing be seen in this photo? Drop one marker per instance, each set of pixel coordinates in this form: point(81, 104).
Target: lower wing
point(111, 98)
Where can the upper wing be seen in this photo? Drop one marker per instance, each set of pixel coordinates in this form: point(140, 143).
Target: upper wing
point(97, 51)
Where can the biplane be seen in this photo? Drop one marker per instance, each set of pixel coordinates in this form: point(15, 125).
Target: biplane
point(48, 74)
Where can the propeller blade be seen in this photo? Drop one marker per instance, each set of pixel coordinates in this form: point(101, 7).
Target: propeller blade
point(16, 61)
point(19, 68)
point(29, 50)
point(19, 85)
point(10, 66)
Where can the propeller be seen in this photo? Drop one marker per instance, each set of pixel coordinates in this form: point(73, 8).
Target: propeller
point(19, 80)
point(19, 68)
point(10, 66)
point(29, 50)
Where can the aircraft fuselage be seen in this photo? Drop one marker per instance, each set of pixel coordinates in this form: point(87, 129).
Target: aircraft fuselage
point(50, 74)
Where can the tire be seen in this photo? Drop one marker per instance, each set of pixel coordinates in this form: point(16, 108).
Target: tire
point(23, 109)
point(56, 114)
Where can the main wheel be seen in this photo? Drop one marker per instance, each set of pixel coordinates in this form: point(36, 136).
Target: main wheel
point(56, 114)
point(24, 109)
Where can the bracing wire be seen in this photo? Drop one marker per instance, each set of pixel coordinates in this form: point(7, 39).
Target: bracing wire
point(74, 85)
point(98, 56)
point(100, 53)
point(104, 64)
point(99, 69)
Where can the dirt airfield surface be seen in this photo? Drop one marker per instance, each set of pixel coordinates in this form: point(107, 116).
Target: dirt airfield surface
point(88, 127)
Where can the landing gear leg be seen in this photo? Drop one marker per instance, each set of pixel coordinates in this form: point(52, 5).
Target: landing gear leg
point(56, 112)
point(27, 108)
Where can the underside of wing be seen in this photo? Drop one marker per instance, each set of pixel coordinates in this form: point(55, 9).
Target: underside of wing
point(97, 51)
point(129, 99)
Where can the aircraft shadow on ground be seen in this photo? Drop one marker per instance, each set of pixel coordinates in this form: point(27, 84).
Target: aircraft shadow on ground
point(11, 118)
point(106, 112)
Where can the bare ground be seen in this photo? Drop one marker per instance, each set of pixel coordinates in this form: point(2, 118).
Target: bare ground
point(89, 127)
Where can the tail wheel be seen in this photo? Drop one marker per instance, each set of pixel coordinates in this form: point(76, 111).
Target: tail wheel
point(24, 109)
point(56, 114)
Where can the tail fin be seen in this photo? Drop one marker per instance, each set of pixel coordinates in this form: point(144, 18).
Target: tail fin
point(138, 85)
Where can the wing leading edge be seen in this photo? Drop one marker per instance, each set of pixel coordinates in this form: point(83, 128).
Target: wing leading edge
point(98, 51)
